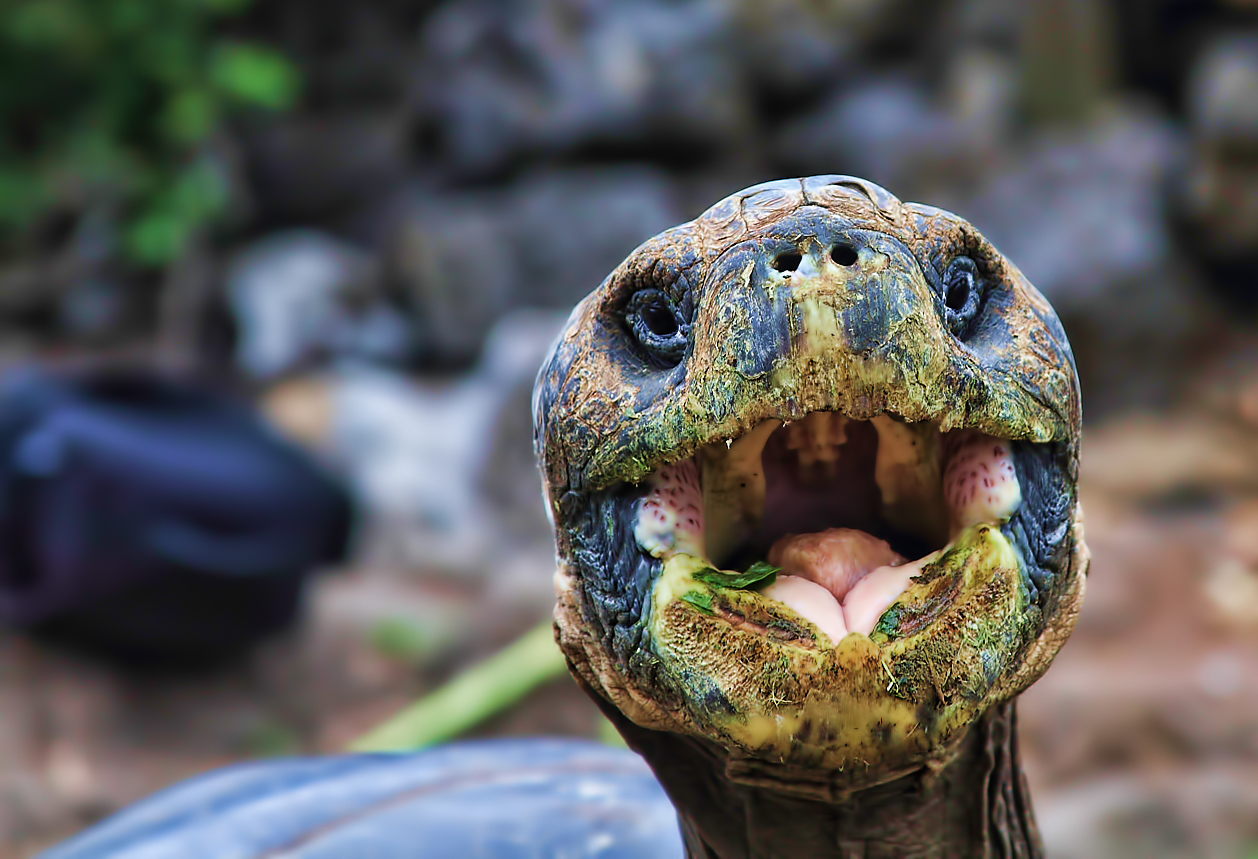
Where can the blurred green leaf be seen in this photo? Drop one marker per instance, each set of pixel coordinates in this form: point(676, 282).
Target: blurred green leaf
point(20, 194)
point(198, 193)
point(189, 116)
point(128, 16)
point(45, 24)
point(156, 238)
point(479, 692)
point(254, 75)
point(609, 736)
point(227, 7)
point(106, 105)
point(399, 638)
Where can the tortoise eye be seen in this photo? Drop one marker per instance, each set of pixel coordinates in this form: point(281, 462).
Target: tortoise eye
point(657, 326)
point(962, 294)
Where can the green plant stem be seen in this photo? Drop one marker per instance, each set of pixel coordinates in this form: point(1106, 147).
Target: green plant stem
point(471, 697)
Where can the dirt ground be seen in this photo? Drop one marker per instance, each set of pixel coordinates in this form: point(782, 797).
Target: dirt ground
point(1141, 741)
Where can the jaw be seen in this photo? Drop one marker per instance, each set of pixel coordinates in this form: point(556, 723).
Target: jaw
point(909, 597)
point(908, 611)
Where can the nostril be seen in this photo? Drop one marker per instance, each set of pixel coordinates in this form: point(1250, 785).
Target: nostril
point(844, 255)
point(787, 261)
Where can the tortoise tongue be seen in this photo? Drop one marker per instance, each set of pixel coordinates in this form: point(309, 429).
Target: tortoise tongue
point(844, 578)
point(810, 600)
point(841, 579)
point(836, 558)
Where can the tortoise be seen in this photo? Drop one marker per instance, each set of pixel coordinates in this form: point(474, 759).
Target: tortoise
point(811, 462)
point(814, 355)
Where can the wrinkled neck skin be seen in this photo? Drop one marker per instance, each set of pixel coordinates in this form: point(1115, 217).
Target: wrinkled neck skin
point(976, 805)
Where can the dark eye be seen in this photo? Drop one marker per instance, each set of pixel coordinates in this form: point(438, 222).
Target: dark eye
point(962, 294)
point(657, 326)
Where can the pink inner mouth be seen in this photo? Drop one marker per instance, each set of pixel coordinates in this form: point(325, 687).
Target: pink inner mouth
point(838, 481)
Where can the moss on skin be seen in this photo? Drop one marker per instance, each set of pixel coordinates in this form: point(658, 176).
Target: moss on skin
point(856, 705)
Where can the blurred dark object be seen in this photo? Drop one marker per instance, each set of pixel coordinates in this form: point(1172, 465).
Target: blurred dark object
point(154, 520)
point(497, 799)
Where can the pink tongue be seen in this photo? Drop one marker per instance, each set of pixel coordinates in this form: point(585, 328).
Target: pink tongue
point(836, 558)
point(812, 601)
point(841, 579)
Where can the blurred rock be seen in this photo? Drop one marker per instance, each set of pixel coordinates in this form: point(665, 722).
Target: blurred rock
point(301, 294)
point(1242, 535)
point(796, 46)
point(1066, 56)
point(73, 286)
point(1231, 590)
point(571, 228)
point(27, 287)
point(980, 88)
point(1140, 458)
point(508, 480)
point(312, 166)
point(1083, 212)
point(463, 260)
point(29, 809)
point(498, 81)
point(349, 53)
point(418, 452)
point(1161, 39)
point(1222, 97)
point(887, 130)
point(1219, 191)
point(455, 263)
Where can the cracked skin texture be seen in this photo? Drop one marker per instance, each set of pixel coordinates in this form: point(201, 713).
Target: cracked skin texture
point(912, 722)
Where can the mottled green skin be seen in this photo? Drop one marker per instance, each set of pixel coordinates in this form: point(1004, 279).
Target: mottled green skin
point(767, 693)
point(862, 710)
point(609, 418)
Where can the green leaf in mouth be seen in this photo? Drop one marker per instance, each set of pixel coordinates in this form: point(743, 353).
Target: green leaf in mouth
point(759, 574)
point(701, 600)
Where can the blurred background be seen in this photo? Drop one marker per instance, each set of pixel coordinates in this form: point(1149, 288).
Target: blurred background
point(274, 255)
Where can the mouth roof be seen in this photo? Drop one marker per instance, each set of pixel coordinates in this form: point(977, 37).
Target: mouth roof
point(848, 511)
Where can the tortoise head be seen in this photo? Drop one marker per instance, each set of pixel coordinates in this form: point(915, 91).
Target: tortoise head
point(811, 462)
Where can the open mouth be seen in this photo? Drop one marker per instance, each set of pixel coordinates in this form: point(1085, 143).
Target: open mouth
point(827, 519)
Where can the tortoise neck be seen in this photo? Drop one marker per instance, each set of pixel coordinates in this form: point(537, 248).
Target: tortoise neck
point(976, 806)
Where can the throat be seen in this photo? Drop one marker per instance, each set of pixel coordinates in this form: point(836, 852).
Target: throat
point(974, 805)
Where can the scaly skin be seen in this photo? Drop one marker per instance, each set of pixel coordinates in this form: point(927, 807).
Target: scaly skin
point(771, 739)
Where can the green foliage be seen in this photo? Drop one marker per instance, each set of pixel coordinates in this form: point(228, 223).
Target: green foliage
point(479, 692)
point(109, 104)
point(701, 600)
point(759, 574)
point(401, 639)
